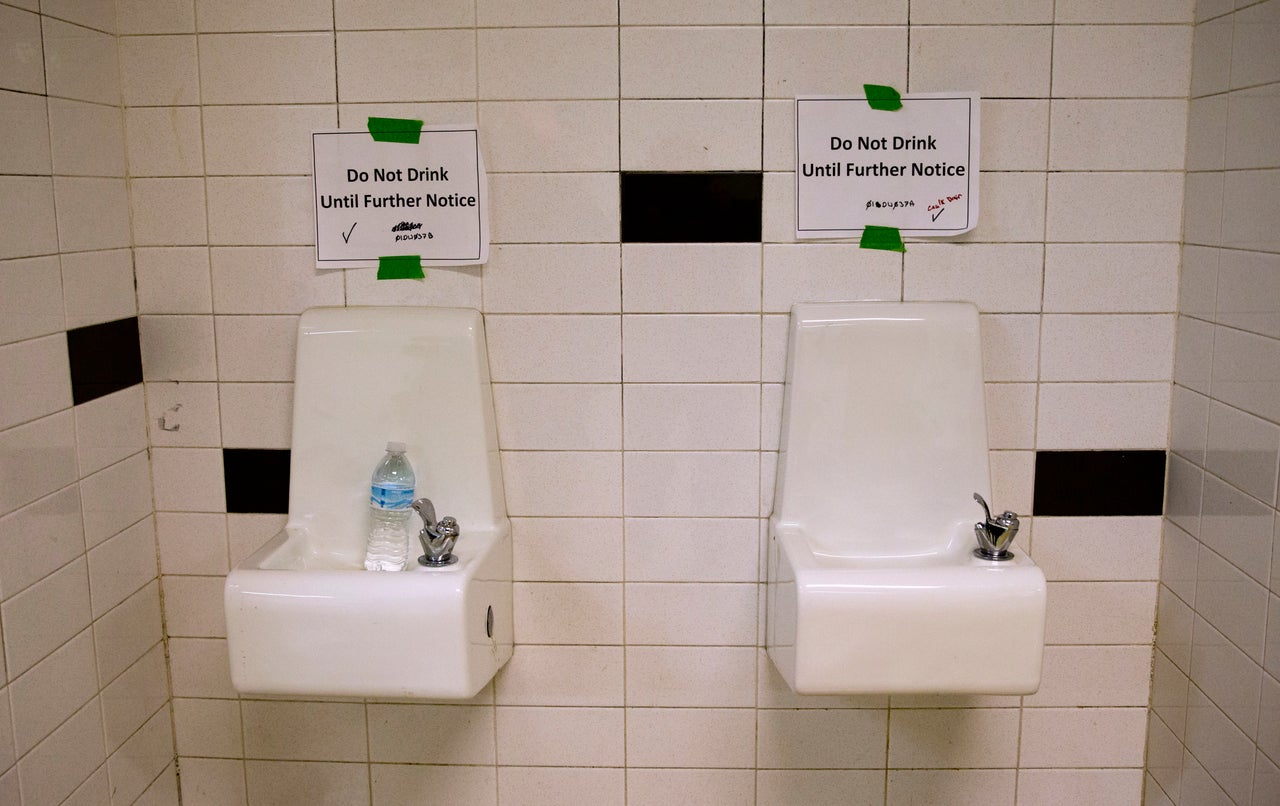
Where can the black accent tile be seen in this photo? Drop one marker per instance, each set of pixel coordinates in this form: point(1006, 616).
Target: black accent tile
point(256, 479)
point(691, 207)
point(1090, 483)
point(104, 358)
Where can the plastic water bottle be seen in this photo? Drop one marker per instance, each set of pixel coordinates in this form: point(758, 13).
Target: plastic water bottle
point(390, 497)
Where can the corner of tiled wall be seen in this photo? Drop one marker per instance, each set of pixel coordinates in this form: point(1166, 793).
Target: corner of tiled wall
point(84, 706)
point(1214, 734)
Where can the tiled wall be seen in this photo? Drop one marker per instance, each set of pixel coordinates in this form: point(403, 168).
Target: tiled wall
point(84, 695)
point(1215, 724)
point(637, 382)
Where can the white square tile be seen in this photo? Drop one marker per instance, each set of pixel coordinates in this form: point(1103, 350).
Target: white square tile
point(1197, 287)
point(248, 532)
point(1011, 419)
point(256, 348)
point(241, 15)
point(1248, 291)
point(31, 302)
point(691, 62)
point(177, 348)
point(191, 542)
point(548, 349)
point(658, 785)
point(92, 213)
point(53, 769)
point(691, 614)
point(676, 737)
point(957, 787)
point(806, 272)
point(144, 17)
point(99, 14)
point(360, 14)
point(998, 278)
point(266, 68)
point(159, 70)
point(80, 63)
point(1009, 61)
point(1227, 676)
point(27, 219)
point(36, 459)
point(120, 566)
point(188, 480)
point(256, 415)
point(305, 730)
point(44, 616)
point(1082, 207)
point(565, 63)
point(130, 699)
point(87, 139)
point(688, 278)
point(52, 690)
point(1173, 637)
point(1244, 225)
point(1106, 348)
point(563, 483)
point(1189, 424)
point(193, 607)
point(1090, 278)
point(692, 484)
point(21, 51)
point(822, 739)
point(1243, 450)
point(589, 737)
point(953, 737)
point(520, 213)
point(448, 734)
point(208, 728)
point(1211, 57)
point(183, 415)
point(1202, 213)
point(673, 12)
point(548, 136)
point(445, 286)
point(1062, 544)
point(1015, 134)
point(1071, 674)
point(35, 379)
point(553, 278)
point(98, 287)
point(282, 781)
point(1084, 11)
point(1207, 133)
point(1221, 746)
point(397, 783)
point(1237, 527)
point(172, 280)
point(1110, 61)
point(563, 417)
point(125, 634)
point(1083, 737)
point(199, 668)
point(1130, 134)
point(567, 549)
point(832, 60)
point(562, 675)
point(849, 787)
point(262, 139)
point(38, 539)
point(1253, 57)
point(1083, 416)
point(1100, 613)
point(265, 280)
point(691, 677)
point(1193, 354)
point(251, 211)
point(392, 65)
point(691, 417)
point(568, 613)
point(1246, 369)
point(1012, 208)
point(806, 12)
point(110, 428)
point(690, 135)
point(115, 498)
point(657, 348)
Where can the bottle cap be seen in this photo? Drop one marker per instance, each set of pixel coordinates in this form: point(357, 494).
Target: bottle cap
point(395, 447)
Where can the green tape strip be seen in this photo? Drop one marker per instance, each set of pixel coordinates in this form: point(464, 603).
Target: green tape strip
point(886, 99)
point(400, 267)
point(886, 238)
point(395, 130)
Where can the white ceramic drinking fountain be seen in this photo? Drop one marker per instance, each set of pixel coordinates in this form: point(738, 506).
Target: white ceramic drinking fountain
point(303, 616)
point(887, 574)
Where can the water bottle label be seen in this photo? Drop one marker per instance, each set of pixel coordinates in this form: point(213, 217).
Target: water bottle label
point(390, 497)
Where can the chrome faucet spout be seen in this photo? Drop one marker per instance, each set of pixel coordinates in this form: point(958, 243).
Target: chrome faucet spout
point(995, 533)
point(437, 537)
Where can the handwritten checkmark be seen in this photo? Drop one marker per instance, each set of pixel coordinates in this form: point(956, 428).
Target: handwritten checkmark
point(346, 236)
point(940, 212)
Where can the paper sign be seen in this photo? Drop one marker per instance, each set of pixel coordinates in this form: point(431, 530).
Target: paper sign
point(914, 169)
point(378, 199)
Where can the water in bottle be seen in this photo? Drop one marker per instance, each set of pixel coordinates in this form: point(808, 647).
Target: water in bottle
point(390, 497)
